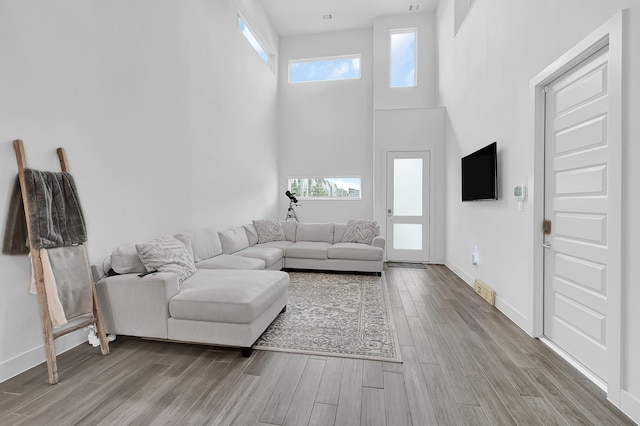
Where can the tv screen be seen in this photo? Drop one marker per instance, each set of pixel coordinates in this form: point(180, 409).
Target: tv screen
point(480, 174)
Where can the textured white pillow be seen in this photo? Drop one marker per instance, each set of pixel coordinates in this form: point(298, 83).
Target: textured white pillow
point(360, 231)
point(269, 230)
point(167, 254)
point(125, 259)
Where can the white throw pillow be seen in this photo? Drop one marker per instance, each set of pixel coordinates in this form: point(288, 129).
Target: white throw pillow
point(360, 231)
point(125, 259)
point(167, 254)
point(269, 230)
point(252, 234)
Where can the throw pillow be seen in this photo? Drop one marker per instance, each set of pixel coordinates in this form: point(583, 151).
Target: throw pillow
point(269, 230)
point(167, 254)
point(125, 259)
point(360, 231)
point(252, 234)
point(187, 243)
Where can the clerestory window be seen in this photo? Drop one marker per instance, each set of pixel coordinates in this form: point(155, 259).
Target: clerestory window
point(324, 69)
point(251, 38)
point(403, 58)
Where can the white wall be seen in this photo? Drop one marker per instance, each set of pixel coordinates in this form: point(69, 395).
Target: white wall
point(167, 115)
point(407, 119)
point(326, 127)
point(415, 129)
point(484, 83)
point(423, 95)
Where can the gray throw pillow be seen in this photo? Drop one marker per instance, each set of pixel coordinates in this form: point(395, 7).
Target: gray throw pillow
point(269, 230)
point(360, 231)
point(167, 254)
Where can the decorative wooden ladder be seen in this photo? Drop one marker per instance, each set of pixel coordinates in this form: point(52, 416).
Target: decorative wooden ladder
point(48, 331)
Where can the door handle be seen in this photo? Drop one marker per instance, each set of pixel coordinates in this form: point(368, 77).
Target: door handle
point(546, 245)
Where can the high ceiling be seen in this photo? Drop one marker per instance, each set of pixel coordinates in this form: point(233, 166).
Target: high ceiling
point(296, 17)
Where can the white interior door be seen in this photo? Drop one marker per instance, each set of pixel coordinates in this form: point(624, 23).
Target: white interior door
point(408, 206)
point(577, 204)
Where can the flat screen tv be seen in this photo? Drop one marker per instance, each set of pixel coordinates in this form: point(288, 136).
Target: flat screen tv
point(480, 174)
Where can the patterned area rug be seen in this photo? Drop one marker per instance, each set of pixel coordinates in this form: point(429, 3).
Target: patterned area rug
point(335, 314)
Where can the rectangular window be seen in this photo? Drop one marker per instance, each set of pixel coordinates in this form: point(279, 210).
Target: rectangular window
point(334, 188)
point(324, 69)
point(259, 48)
point(403, 58)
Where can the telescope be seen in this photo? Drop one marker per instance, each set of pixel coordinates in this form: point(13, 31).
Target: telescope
point(291, 213)
point(292, 196)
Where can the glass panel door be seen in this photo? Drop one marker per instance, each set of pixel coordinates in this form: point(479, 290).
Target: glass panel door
point(408, 206)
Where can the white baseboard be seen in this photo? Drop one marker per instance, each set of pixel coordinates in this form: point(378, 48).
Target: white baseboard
point(513, 314)
point(630, 405)
point(21, 363)
point(460, 272)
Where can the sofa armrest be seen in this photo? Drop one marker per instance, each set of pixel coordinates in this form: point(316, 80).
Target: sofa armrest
point(378, 241)
point(137, 306)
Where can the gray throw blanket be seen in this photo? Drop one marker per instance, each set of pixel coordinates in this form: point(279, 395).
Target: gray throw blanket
point(15, 229)
point(55, 213)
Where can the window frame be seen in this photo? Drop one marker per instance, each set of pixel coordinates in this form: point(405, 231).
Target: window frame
point(258, 38)
point(315, 198)
point(357, 56)
point(415, 56)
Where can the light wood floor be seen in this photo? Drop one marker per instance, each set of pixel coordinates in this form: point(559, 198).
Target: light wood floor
point(464, 363)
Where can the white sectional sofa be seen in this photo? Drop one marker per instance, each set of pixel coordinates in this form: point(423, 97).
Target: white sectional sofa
point(237, 288)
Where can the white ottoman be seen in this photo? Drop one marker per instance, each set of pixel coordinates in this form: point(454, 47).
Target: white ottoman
point(227, 307)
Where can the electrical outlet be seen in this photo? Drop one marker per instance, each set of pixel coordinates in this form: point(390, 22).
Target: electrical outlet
point(486, 292)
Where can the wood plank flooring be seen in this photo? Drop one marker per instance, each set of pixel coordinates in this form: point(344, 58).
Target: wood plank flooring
point(464, 363)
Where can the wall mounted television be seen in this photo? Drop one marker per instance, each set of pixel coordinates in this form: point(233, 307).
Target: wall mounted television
point(480, 174)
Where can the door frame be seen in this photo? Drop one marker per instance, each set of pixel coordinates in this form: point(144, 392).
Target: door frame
point(429, 193)
point(610, 33)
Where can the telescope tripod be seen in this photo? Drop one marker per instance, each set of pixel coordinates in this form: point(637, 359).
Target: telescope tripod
point(291, 212)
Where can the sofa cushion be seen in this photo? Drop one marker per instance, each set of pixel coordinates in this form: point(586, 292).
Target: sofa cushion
point(338, 232)
point(233, 240)
point(229, 261)
point(125, 260)
point(354, 251)
point(315, 232)
point(205, 242)
point(252, 234)
point(282, 245)
point(269, 230)
point(289, 230)
point(308, 250)
point(360, 231)
point(166, 254)
point(270, 255)
point(237, 297)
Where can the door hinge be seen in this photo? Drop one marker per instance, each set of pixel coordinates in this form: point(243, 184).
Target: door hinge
point(546, 226)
